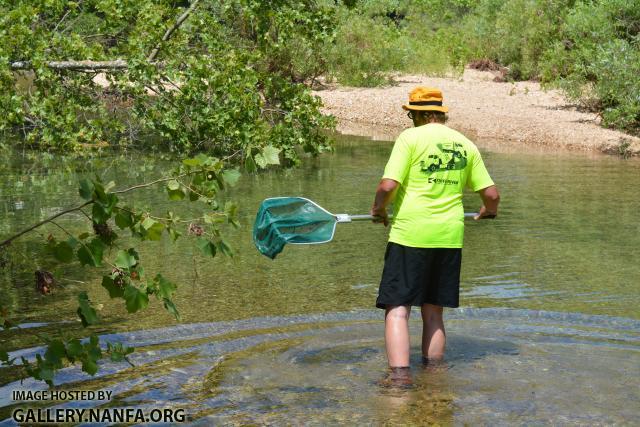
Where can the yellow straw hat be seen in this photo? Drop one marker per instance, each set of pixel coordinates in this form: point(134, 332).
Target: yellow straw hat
point(425, 99)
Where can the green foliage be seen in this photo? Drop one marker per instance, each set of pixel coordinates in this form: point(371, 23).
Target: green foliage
point(617, 66)
point(523, 29)
point(60, 352)
point(201, 179)
point(589, 49)
point(379, 37)
point(226, 81)
point(596, 60)
point(363, 52)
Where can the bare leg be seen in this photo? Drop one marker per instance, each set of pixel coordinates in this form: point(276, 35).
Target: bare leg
point(396, 335)
point(433, 335)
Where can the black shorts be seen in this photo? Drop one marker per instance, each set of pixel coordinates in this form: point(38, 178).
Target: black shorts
point(416, 276)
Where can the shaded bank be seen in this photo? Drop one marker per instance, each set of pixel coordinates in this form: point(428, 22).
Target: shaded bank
point(510, 114)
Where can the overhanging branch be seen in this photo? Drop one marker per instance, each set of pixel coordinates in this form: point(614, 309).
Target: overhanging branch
point(118, 64)
point(170, 31)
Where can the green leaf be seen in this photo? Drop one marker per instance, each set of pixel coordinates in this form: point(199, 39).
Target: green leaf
point(123, 219)
point(136, 300)
point(173, 185)
point(74, 349)
point(271, 155)
point(86, 189)
point(148, 223)
point(93, 343)
point(89, 365)
point(99, 213)
point(178, 194)
point(171, 308)
point(154, 232)
point(91, 254)
point(250, 164)
point(175, 190)
point(119, 352)
point(214, 218)
point(102, 209)
point(110, 285)
point(225, 248)
point(194, 162)
point(4, 356)
point(165, 287)
point(63, 252)
point(261, 162)
point(231, 176)
point(98, 188)
point(173, 233)
point(125, 260)
point(206, 247)
point(87, 314)
point(45, 374)
point(55, 353)
point(231, 210)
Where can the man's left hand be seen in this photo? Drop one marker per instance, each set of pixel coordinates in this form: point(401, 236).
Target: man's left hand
point(380, 216)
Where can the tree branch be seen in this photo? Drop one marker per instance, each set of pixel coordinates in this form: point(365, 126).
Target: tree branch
point(61, 20)
point(149, 184)
point(44, 221)
point(170, 31)
point(79, 208)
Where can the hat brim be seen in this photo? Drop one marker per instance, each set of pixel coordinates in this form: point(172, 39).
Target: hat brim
point(442, 109)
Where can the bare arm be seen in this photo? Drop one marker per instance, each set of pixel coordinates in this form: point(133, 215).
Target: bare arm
point(384, 193)
point(490, 200)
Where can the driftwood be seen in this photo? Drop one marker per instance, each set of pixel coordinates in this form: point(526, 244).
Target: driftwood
point(75, 65)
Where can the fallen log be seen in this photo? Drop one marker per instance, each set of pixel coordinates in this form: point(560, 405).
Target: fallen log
point(75, 65)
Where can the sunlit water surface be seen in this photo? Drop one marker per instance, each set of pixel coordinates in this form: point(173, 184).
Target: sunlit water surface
point(549, 332)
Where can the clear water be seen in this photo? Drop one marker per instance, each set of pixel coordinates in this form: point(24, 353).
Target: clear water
point(550, 332)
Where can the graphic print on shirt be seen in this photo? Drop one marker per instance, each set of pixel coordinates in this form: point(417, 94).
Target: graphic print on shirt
point(451, 156)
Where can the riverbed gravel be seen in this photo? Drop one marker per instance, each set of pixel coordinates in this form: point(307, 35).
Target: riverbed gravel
point(518, 115)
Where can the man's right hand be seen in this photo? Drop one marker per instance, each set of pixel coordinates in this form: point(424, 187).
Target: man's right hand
point(490, 199)
point(484, 214)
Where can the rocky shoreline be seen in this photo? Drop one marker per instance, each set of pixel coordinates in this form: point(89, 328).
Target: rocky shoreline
point(510, 116)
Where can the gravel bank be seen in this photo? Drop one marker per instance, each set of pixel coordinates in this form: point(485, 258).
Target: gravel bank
point(509, 115)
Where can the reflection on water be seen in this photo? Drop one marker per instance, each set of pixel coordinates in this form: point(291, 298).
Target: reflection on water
point(502, 366)
point(257, 344)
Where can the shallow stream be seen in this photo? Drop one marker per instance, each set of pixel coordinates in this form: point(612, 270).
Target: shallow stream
point(548, 332)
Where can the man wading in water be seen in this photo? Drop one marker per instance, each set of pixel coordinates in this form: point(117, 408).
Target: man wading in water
point(430, 165)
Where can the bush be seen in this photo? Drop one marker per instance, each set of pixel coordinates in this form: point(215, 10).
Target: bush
point(363, 53)
point(617, 65)
point(378, 37)
point(596, 60)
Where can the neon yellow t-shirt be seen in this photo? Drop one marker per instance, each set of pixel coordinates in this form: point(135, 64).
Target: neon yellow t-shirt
point(433, 164)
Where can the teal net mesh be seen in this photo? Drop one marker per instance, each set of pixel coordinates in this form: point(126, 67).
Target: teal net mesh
point(283, 220)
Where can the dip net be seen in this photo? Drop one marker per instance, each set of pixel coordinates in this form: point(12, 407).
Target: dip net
point(294, 220)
